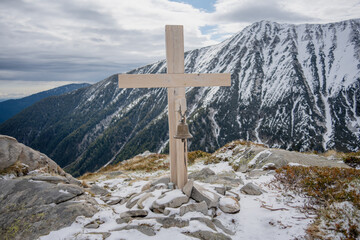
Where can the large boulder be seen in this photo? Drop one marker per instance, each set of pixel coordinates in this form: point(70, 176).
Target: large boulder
point(14, 154)
point(39, 197)
point(30, 208)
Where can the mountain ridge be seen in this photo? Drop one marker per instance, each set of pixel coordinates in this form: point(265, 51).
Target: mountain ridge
point(10, 107)
point(293, 86)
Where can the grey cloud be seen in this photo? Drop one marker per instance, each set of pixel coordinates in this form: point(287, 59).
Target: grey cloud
point(261, 10)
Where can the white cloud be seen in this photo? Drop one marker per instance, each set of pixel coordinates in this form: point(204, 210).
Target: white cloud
point(88, 40)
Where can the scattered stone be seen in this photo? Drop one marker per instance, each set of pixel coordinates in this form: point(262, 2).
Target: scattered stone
point(251, 189)
point(206, 221)
point(233, 194)
point(115, 200)
point(158, 186)
point(123, 220)
point(172, 222)
point(134, 213)
point(97, 190)
point(218, 224)
point(164, 180)
point(229, 205)
point(207, 235)
point(103, 234)
point(194, 207)
point(93, 224)
point(134, 199)
point(172, 199)
point(142, 199)
point(200, 194)
point(202, 174)
point(220, 190)
point(145, 229)
point(146, 187)
point(188, 187)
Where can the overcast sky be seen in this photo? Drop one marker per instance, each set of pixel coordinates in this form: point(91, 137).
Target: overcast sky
point(48, 43)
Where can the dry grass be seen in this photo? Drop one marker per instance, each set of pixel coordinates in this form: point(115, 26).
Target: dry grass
point(18, 169)
point(194, 155)
point(327, 188)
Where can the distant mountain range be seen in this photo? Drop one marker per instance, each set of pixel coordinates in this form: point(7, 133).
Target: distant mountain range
point(9, 108)
point(295, 87)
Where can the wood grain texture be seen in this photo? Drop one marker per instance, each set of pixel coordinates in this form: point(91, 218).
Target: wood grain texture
point(174, 41)
point(174, 80)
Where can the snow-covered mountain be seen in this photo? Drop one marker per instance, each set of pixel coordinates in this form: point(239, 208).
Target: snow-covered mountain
point(293, 86)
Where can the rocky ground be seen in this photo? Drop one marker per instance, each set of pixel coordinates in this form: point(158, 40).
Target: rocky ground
point(217, 202)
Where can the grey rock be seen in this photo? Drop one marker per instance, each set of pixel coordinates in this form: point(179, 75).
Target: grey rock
point(93, 225)
point(164, 180)
point(97, 190)
point(115, 200)
point(172, 199)
point(251, 189)
point(12, 152)
point(142, 199)
point(73, 180)
point(232, 194)
point(202, 174)
point(50, 179)
point(194, 207)
point(123, 220)
point(218, 224)
point(157, 187)
point(103, 234)
point(207, 235)
point(134, 199)
point(36, 208)
point(145, 229)
point(229, 205)
point(200, 194)
point(134, 213)
point(172, 222)
point(187, 189)
point(220, 190)
point(206, 221)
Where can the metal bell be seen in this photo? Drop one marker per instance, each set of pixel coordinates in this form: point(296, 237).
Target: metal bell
point(182, 131)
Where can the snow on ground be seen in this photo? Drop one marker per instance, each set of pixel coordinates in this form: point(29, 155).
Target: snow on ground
point(276, 214)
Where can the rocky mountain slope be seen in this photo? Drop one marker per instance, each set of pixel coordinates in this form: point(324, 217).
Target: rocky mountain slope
point(11, 107)
point(295, 87)
point(233, 193)
point(216, 203)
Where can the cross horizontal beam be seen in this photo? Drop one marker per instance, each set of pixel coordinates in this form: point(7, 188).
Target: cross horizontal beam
point(174, 80)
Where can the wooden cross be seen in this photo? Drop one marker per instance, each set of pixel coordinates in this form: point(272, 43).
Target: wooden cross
point(175, 81)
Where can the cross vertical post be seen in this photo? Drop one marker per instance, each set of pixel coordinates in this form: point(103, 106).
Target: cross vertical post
point(174, 37)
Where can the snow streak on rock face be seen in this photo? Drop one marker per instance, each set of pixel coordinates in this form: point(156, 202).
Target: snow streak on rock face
point(293, 86)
